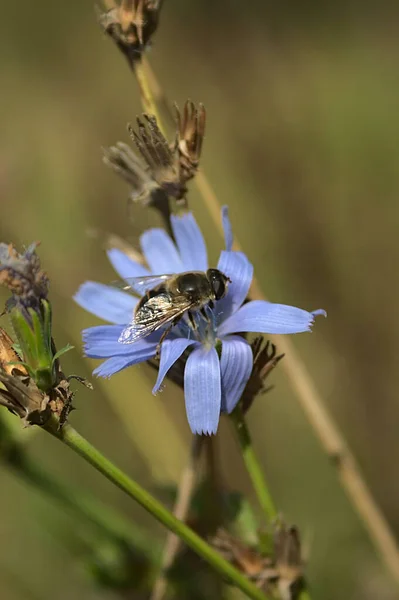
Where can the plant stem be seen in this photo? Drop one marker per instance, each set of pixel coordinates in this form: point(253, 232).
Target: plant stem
point(252, 464)
point(147, 98)
point(81, 446)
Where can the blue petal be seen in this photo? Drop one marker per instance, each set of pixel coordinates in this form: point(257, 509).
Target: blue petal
point(228, 231)
point(125, 266)
point(190, 242)
point(236, 366)
point(265, 317)
point(160, 252)
point(171, 351)
point(202, 390)
point(118, 363)
point(238, 268)
point(102, 342)
point(106, 302)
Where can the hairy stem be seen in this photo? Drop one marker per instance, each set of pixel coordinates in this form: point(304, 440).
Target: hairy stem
point(81, 446)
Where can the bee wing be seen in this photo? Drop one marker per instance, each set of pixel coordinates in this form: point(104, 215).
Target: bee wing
point(156, 313)
point(142, 284)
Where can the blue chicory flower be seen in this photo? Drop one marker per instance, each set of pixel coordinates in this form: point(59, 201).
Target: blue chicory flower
point(211, 384)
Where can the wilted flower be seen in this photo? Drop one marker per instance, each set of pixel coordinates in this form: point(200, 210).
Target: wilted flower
point(131, 25)
point(163, 169)
point(212, 383)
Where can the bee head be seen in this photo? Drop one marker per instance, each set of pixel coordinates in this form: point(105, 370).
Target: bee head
point(219, 282)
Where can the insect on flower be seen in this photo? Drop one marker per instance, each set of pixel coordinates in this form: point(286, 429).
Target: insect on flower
point(196, 309)
point(173, 297)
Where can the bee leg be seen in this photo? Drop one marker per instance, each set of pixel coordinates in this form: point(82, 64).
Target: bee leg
point(204, 314)
point(193, 322)
point(163, 336)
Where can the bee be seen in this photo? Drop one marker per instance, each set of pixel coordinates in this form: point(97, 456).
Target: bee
point(168, 298)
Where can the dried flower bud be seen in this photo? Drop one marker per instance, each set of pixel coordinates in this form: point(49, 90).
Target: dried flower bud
point(163, 169)
point(131, 25)
point(162, 161)
point(288, 560)
point(245, 558)
point(189, 139)
point(21, 394)
point(265, 359)
point(22, 397)
point(22, 275)
point(282, 571)
point(30, 314)
point(144, 189)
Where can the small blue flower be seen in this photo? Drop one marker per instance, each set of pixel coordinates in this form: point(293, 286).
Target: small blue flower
point(211, 384)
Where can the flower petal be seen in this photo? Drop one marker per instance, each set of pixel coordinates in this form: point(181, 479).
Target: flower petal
point(190, 242)
point(160, 252)
point(102, 342)
point(106, 302)
point(265, 317)
point(125, 266)
point(171, 351)
point(202, 390)
point(118, 363)
point(236, 366)
point(228, 231)
point(238, 268)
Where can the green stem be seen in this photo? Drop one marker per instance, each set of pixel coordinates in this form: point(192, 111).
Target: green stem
point(81, 446)
point(252, 464)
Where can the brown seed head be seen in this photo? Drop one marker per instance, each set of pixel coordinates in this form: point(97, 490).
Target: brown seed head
point(162, 160)
point(189, 138)
point(23, 398)
point(22, 275)
point(288, 558)
point(131, 25)
point(246, 558)
point(144, 189)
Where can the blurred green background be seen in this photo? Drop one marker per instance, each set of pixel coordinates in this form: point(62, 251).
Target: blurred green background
point(302, 143)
